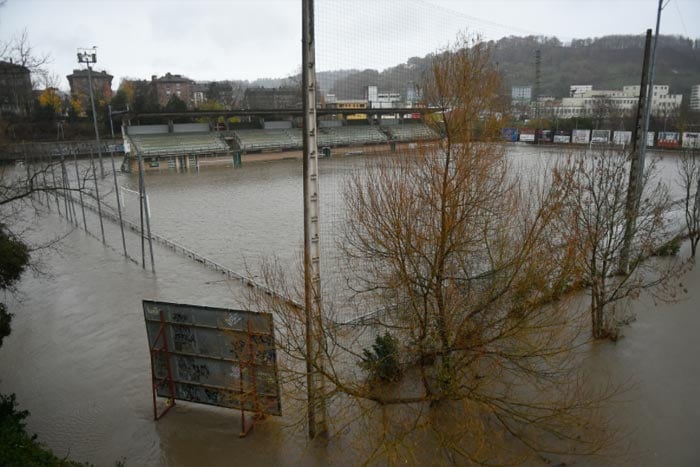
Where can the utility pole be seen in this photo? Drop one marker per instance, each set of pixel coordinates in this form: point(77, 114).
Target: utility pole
point(88, 56)
point(650, 93)
point(634, 193)
point(639, 140)
point(538, 61)
point(312, 247)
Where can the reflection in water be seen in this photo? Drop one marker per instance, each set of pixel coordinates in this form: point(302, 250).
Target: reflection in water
point(78, 355)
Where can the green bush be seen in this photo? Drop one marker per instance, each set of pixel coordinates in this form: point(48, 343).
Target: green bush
point(17, 448)
point(382, 361)
point(670, 248)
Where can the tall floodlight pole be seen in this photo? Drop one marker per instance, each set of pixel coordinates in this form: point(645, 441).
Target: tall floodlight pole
point(88, 56)
point(312, 247)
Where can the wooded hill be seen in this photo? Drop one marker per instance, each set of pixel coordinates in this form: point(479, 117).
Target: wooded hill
point(608, 62)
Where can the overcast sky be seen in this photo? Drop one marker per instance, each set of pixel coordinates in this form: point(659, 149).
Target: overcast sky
point(237, 39)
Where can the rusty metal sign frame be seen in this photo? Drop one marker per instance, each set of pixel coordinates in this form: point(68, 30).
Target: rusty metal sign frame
point(214, 356)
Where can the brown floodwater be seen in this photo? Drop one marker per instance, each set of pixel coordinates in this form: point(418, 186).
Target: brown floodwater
point(78, 355)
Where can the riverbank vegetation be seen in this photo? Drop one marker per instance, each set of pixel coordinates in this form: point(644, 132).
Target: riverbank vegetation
point(17, 446)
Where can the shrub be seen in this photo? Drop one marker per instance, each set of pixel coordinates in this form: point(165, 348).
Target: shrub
point(17, 447)
point(382, 361)
point(670, 248)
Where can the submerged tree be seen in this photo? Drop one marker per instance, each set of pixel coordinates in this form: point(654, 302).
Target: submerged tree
point(593, 224)
point(689, 181)
point(457, 255)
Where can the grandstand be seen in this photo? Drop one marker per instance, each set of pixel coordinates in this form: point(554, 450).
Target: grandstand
point(181, 145)
point(291, 138)
point(409, 132)
point(296, 136)
point(177, 144)
point(263, 140)
point(350, 135)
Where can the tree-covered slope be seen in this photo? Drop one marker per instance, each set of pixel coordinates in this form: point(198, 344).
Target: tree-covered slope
point(608, 62)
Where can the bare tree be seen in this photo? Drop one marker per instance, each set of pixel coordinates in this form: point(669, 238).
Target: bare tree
point(593, 220)
point(455, 259)
point(602, 110)
point(38, 186)
point(20, 51)
point(689, 181)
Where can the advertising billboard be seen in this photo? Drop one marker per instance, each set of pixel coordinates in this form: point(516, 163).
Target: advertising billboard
point(668, 139)
point(213, 356)
point(600, 136)
point(527, 135)
point(691, 140)
point(510, 134)
point(562, 137)
point(622, 138)
point(581, 136)
point(545, 136)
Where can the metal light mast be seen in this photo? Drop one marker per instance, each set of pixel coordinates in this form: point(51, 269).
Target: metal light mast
point(88, 56)
point(312, 247)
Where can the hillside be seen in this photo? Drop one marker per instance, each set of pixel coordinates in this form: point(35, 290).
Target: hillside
point(607, 63)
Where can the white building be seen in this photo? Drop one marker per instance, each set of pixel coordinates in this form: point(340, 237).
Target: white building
point(371, 93)
point(577, 90)
point(695, 98)
point(661, 102)
point(586, 101)
point(521, 93)
point(382, 100)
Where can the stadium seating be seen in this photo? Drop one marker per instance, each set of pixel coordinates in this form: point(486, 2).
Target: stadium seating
point(260, 140)
point(350, 135)
point(409, 132)
point(253, 140)
point(179, 143)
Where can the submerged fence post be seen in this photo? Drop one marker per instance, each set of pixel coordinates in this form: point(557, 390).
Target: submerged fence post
point(80, 189)
point(65, 184)
point(119, 203)
point(54, 187)
point(44, 186)
point(97, 194)
point(146, 215)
